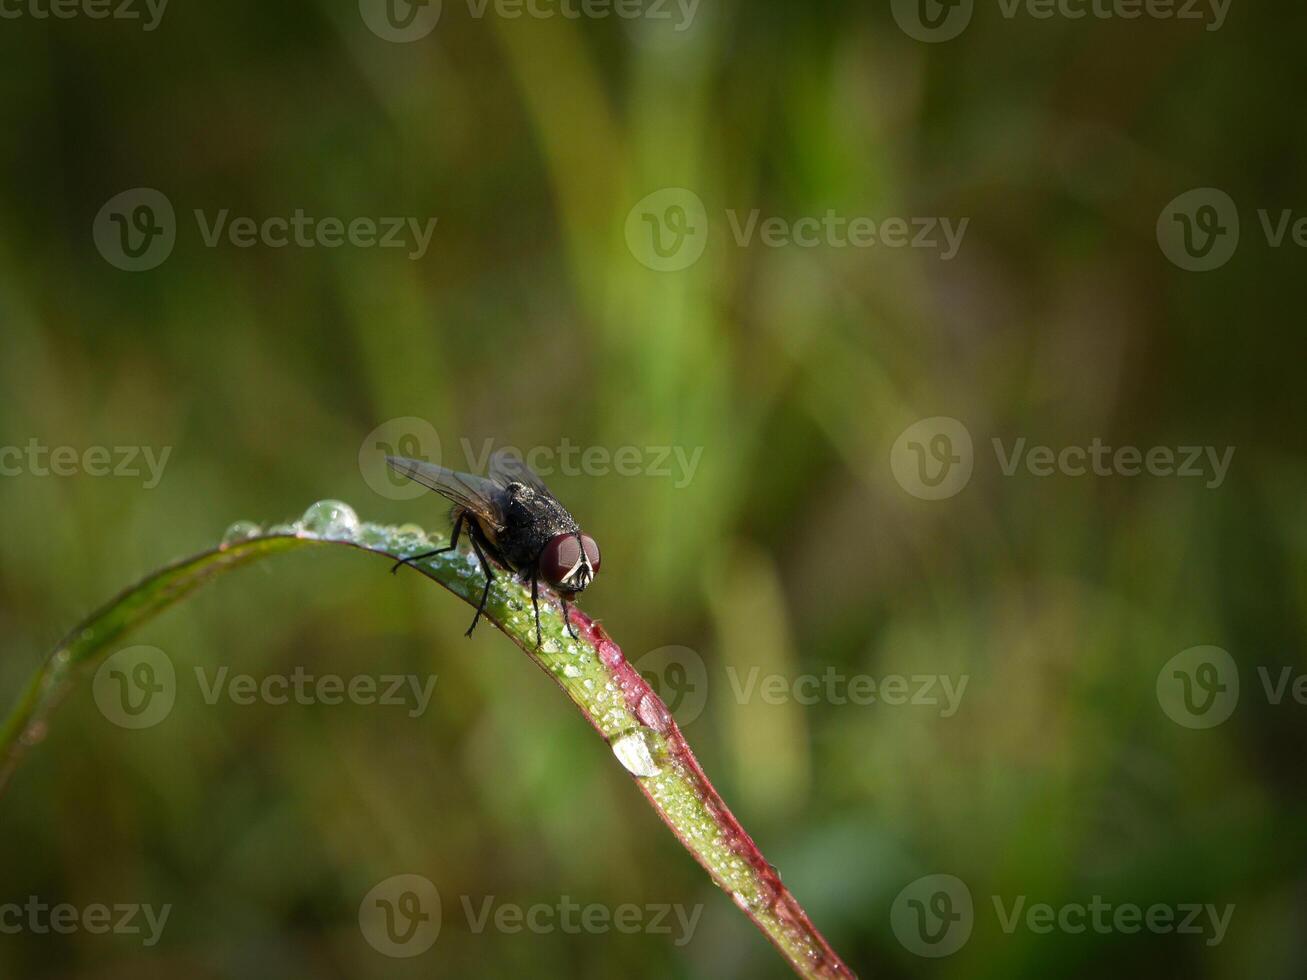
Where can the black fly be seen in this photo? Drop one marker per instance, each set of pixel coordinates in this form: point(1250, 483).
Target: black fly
point(514, 521)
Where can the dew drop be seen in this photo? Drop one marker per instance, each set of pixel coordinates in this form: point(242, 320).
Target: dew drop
point(411, 531)
point(571, 670)
point(652, 712)
point(330, 519)
point(372, 534)
point(633, 752)
point(240, 531)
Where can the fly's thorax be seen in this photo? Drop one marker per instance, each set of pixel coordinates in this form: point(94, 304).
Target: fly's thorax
point(532, 520)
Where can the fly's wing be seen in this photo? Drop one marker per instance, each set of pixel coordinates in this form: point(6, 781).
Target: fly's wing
point(480, 496)
point(508, 467)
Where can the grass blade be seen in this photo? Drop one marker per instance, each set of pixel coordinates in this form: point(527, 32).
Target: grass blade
point(592, 671)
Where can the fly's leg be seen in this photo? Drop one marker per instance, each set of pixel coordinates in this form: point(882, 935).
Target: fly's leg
point(490, 577)
point(535, 604)
point(567, 620)
point(453, 543)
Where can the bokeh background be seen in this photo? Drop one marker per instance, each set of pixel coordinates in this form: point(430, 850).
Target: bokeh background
point(793, 549)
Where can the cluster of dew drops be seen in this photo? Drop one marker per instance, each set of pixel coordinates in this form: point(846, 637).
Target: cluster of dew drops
point(333, 520)
point(636, 749)
point(328, 520)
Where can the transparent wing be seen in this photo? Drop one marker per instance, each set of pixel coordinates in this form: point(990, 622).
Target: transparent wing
point(480, 496)
point(507, 467)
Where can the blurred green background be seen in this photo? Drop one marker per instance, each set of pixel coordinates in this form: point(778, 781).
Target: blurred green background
point(532, 318)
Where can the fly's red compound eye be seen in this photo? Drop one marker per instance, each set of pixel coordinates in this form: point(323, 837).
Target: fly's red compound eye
point(560, 559)
point(591, 551)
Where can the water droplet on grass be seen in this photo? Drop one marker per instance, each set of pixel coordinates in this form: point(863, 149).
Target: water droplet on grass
point(653, 712)
point(411, 531)
point(635, 755)
point(373, 535)
point(330, 519)
point(240, 531)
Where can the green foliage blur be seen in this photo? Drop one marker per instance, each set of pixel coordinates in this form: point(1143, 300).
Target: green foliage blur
point(790, 551)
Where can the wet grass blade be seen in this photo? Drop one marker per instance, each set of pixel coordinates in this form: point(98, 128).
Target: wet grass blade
point(610, 693)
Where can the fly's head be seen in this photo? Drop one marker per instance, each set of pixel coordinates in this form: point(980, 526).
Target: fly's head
point(570, 562)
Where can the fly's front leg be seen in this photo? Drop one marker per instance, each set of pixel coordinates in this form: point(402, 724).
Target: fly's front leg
point(490, 578)
point(535, 604)
point(453, 543)
point(567, 620)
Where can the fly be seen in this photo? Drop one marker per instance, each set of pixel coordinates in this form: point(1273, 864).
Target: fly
point(515, 522)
